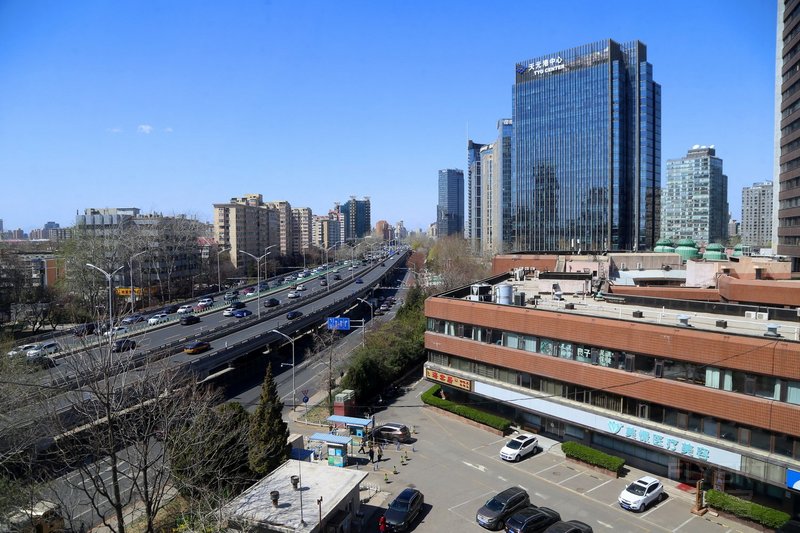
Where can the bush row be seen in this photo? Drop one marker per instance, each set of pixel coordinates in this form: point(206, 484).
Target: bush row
point(765, 516)
point(431, 397)
point(591, 456)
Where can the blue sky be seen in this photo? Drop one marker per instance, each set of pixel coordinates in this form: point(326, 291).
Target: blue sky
point(173, 106)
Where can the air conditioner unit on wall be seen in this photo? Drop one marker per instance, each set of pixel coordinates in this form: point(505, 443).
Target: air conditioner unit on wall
point(762, 316)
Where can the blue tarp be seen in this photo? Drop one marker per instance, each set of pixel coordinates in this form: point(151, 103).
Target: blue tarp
point(330, 438)
point(350, 420)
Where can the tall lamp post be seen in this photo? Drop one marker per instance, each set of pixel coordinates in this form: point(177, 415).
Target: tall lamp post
point(258, 278)
point(219, 276)
point(328, 266)
point(130, 270)
point(109, 278)
point(371, 316)
point(294, 389)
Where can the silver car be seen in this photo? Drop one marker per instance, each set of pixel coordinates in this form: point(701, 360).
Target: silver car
point(43, 349)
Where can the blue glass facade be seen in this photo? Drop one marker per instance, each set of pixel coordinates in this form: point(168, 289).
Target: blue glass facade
point(474, 195)
point(450, 210)
point(586, 149)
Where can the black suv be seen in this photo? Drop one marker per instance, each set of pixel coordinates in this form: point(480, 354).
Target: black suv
point(494, 512)
point(272, 302)
point(531, 520)
point(188, 320)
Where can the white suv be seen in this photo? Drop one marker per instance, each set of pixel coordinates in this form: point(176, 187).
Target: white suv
point(185, 309)
point(43, 349)
point(641, 493)
point(519, 447)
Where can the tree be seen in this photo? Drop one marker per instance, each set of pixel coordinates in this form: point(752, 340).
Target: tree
point(269, 435)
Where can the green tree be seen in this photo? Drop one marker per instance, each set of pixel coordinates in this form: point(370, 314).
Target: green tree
point(269, 434)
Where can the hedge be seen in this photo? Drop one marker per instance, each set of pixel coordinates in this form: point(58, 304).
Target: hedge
point(594, 457)
point(497, 422)
point(765, 516)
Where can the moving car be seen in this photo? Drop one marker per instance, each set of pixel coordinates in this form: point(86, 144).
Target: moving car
point(22, 350)
point(248, 291)
point(43, 349)
point(291, 315)
point(208, 301)
point(235, 306)
point(641, 493)
point(570, 526)
point(404, 509)
point(158, 318)
point(336, 277)
point(84, 329)
point(133, 319)
point(531, 519)
point(391, 432)
point(185, 309)
point(323, 283)
point(272, 302)
point(188, 320)
point(169, 309)
point(197, 347)
point(201, 307)
point(116, 330)
point(494, 512)
point(231, 295)
point(519, 447)
point(300, 287)
point(242, 313)
point(123, 345)
point(293, 294)
point(359, 280)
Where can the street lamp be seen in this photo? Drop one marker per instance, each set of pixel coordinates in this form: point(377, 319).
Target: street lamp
point(328, 265)
point(130, 270)
point(219, 276)
point(258, 278)
point(109, 278)
point(294, 389)
point(371, 316)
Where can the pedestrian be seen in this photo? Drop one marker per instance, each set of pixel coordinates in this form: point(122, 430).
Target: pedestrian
point(382, 524)
point(361, 449)
point(371, 454)
point(380, 453)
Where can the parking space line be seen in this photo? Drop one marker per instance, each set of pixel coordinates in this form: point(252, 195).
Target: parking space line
point(598, 486)
point(547, 468)
point(570, 477)
point(686, 522)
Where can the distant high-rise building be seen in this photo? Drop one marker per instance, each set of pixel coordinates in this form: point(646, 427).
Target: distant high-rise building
point(474, 195)
point(326, 231)
point(245, 224)
point(734, 227)
point(495, 201)
point(285, 226)
point(383, 229)
point(302, 218)
point(450, 210)
point(757, 213)
point(694, 202)
point(587, 149)
point(357, 218)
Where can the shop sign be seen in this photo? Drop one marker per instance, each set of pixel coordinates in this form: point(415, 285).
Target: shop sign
point(447, 379)
point(792, 479)
point(544, 66)
point(659, 440)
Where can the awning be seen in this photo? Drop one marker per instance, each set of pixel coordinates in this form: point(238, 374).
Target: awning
point(330, 438)
point(350, 420)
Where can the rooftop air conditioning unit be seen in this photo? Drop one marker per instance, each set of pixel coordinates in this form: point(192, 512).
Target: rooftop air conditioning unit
point(762, 316)
point(750, 314)
point(772, 330)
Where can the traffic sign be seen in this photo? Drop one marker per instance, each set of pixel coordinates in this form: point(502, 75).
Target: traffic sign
point(340, 323)
point(305, 399)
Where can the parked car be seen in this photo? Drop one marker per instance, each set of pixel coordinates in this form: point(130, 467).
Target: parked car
point(293, 294)
point(519, 447)
point(242, 313)
point(641, 493)
point(123, 345)
point(570, 526)
point(185, 309)
point(291, 315)
point(391, 432)
point(197, 347)
point(22, 350)
point(188, 320)
point(43, 349)
point(531, 519)
point(404, 509)
point(158, 318)
point(272, 302)
point(494, 512)
point(133, 319)
point(359, 280)
point(169, 309)
point(82, 330)
point(116, 330)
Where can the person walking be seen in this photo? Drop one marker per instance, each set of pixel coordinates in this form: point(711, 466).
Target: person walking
point(382, 524)
point(361, 449)
point(380, 453)
point(371, 453)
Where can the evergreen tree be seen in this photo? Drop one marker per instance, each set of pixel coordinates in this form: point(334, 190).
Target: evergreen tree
point(269, 434)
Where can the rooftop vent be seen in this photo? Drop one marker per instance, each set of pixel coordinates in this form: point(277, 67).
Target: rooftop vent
point(683, 321)
point(772, 330)
point(274, 495)
point(295, 481)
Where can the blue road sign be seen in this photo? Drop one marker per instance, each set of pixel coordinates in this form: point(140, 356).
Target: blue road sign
point(341, 323)
point(305, 399)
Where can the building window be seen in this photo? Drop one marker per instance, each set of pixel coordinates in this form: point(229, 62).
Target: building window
point(793, 392)
point(565, 350)
point(529, 344)
point(583, 354)
point(511, 340)
point(546, 346)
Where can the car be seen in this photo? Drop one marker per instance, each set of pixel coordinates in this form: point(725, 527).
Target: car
point(384, 308)
point(383, 264)
point(272, 302)
point(208, 302)
point(158, 318)
point(248, 291)
point(44, 348)
point(349, 268)
point(323, 283)
point(116, 330)
point(197, 347)
point(41, 361)
point(185, 309)
point(531, 519)
point(22, 350)
point(570, 526)
point(201, 307)
point(84, 329)
point(391, 432)
point(336, 277)
point(232, 308)
point(133, 319)
point(291, 315)
point(231, 295)
point(359, 280)
point(496, 510)
point(188, 320)
point(641, 493)
point(169, 309)
point(293, 294)
point(404, 509)
point(242, 313)
point(263, 287)
point(300, 287)
point(792, 526)
point(123, 345)
point(519, 447)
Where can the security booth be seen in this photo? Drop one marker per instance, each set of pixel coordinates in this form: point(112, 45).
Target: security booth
point(337, 447)
point(356, 427)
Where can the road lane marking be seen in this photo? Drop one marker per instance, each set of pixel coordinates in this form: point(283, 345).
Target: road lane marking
point(609, 526)
point(477, 467)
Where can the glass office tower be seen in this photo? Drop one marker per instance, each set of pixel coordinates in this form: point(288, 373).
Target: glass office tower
point(587, 150)
point(450, 210)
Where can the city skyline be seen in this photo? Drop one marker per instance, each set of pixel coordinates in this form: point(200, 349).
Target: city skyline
point(136, 104)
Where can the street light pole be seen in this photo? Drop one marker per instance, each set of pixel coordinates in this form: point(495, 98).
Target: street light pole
point(130, 271)
point(219, 276)
point(364, 328)
point(294, 388)
point(109, 278)
point(258, 277)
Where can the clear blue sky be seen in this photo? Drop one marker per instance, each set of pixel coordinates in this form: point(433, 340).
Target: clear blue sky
point(171, 106)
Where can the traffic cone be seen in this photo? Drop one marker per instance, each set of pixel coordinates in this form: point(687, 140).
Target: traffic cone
point(385, 477)
point(394, 469)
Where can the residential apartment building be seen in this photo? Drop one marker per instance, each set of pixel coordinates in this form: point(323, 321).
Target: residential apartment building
point(357, 218)
point(757, 215)
point(246, 224)
point(450, 209)
point(326, 231)
point(285, 226)
point(694, 201)
point(302, 228)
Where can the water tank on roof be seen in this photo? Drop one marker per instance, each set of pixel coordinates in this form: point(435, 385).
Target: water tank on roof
point(737, 251)
point(505, 294)
point(664, 246)
point(480, 292)
point(715, 252)
point(687, 249)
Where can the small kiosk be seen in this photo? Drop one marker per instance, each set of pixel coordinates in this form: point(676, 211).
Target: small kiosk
point(356, 427)
point(337, 447)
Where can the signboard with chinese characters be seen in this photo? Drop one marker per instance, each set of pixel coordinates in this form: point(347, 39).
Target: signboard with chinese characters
point(543, 66)
point(339, 323)
point(447, 379)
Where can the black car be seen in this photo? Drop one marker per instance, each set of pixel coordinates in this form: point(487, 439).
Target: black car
point(404, 510)
point(359, 280)
point(188, 320)
point(236, 305)
point(337, 276)
point(84, 329)
point(169, 309)
point(494, 512)
point(133, 319)
point(531, 519)
point(123, 345)
point(272, 302)
point(291, 315)
point(572, 526)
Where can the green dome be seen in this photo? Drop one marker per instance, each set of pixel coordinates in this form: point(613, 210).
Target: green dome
point(664, 246)
point(737, 250)
point(715, 252)
point(687, 242)
point(664, 242)
point(715, 247)
point(687, 249)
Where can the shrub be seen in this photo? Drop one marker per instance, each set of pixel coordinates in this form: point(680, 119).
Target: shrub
point(431, 397)
point(591, 456)
point(765, 516)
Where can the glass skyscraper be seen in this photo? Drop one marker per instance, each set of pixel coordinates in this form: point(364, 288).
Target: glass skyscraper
point(587, 150)
point(450, 210)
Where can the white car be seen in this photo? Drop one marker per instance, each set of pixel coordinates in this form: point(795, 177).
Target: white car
point(293, 294)
point(206, 302)
point(20, 350)
point(157, 319)
point(185, 309)
point(300, 287)
point(116, 330)
point(43, 349)
point(519, 447)
point(641, 493)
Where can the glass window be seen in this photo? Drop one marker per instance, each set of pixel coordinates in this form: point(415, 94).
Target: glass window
point(793, 392)
point(450, 328)
point(529, 344)
point(511, 340)
point(671, 417)
point(546, 346)
point(710, 426)
point(467, 331)
point(784, 445)
point(607, 358)
point(694, 423)
point(478, 334)
point(583, 354)
point(727, 431)
point(656, 413)
point(565, 350)
point(644, 365)
point(760, 439)
point(712, 377)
